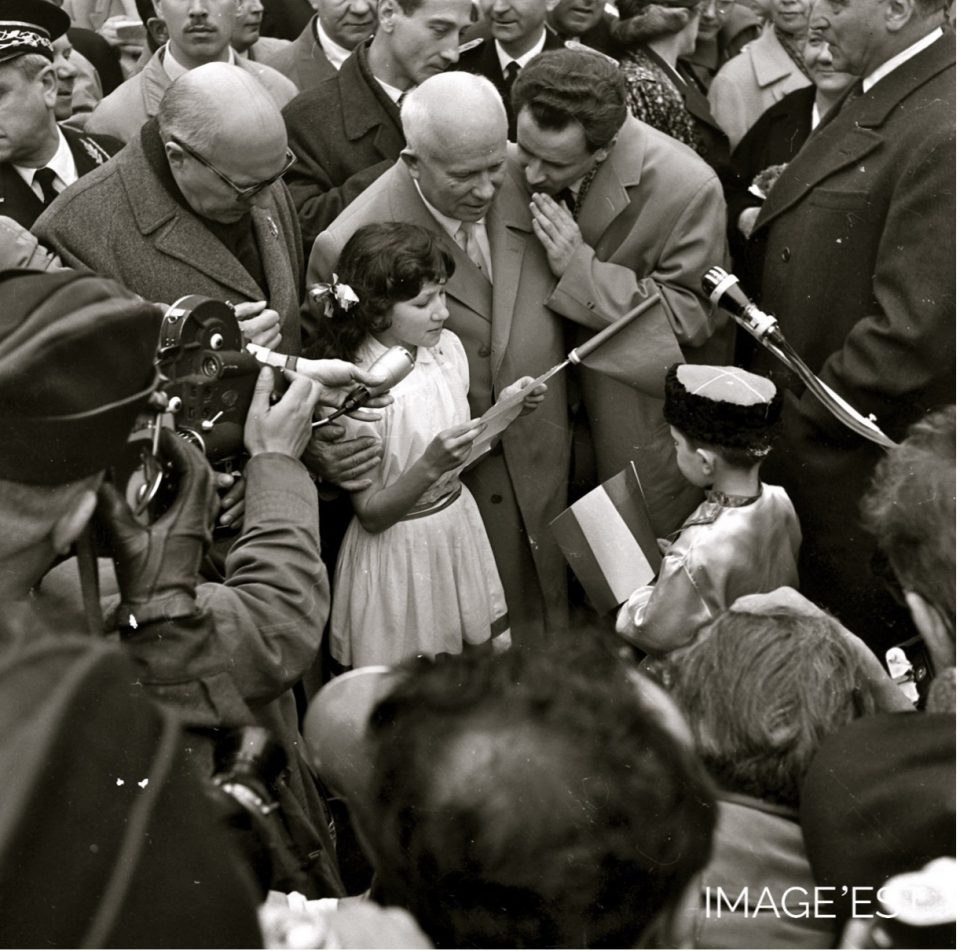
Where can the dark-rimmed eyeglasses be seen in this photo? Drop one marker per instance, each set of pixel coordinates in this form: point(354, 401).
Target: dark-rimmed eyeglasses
point(241, 191)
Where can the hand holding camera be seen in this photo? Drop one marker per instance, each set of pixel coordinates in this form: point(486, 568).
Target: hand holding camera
point(258, 323)
point(157, 565)
point(285, 426)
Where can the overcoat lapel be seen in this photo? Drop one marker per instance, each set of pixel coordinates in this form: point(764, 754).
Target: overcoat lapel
point(608, 195)
point(467, 286)
point(820, 157)
point(508, 226)
point(182, 237)
point(179, 234)
point(844, 138)
point(273, 256)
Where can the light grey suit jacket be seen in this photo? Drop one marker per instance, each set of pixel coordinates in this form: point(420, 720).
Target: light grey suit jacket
point(507, 333)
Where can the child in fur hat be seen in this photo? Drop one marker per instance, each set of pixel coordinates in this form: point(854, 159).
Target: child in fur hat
point(744, 537)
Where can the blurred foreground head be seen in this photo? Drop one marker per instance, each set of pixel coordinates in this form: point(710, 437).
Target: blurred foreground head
point(77, 364)
point(782, 677)
point(911, 509)
point(533, 800)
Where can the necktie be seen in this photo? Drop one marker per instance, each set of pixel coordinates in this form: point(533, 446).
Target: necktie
point(44, 178)
point(510, 77)
point(566, 197)
point(466, 237)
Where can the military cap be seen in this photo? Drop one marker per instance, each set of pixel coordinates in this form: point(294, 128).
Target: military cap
point(77, 356)
point(722, 406)
point(30, 26)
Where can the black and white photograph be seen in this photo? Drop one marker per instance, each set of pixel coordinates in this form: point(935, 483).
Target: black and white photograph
point(478, 474)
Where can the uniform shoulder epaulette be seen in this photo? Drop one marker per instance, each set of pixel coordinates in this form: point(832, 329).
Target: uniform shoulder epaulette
point(470, 45)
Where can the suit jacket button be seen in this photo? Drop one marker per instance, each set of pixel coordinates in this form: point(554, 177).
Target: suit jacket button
point(483, 352)
point(496, 499)
point(785, 255)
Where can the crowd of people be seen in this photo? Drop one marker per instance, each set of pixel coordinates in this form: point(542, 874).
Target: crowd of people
point(290, 655)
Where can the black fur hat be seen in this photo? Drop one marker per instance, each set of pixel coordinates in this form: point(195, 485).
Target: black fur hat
point(722, 406)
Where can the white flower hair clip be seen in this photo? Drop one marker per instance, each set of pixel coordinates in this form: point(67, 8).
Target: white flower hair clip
point(333, 295)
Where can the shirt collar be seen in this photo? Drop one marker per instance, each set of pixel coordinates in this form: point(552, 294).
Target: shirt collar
point(891, 64)
point(505, 58)
point(815, 117)
point(450, 225)
point(392, 91)
point(175, 69)
point(62, 164)
point(331, 49)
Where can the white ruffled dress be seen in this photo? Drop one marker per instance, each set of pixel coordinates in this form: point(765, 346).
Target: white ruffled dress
point(429, 583)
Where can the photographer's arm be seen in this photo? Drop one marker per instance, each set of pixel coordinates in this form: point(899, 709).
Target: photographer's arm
point(162, 627)
point(270, 611)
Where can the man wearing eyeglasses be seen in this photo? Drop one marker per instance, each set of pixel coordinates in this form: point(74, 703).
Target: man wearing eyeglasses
point(194, 205)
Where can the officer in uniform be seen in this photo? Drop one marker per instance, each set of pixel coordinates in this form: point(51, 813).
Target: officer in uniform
point(38, 157)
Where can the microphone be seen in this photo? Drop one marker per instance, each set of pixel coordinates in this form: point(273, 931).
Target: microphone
point(394, 364)
point(724, 291)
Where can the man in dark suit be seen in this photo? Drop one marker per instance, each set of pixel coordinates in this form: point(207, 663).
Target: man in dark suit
point(514, 32)
point(38, 158)
point(346, 132)
point(860, 269)
point(326, 41)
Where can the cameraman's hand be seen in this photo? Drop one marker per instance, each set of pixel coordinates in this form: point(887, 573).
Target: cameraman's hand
point(337, 378)
point(233, 500)
point(258, 323)
point(341, 461)
point(160, 562)
point(285, 426)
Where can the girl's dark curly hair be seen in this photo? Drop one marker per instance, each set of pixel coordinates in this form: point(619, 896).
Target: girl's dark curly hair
point(384, 264)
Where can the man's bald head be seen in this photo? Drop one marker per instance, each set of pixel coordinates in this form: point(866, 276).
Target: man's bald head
point(452, 112)
point(221, 106)
point(456, 131)
point(217, 118)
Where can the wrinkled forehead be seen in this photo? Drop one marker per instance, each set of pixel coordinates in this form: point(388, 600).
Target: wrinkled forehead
point(465, 155)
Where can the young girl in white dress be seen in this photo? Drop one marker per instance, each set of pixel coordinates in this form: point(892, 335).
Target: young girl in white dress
point(415, 574)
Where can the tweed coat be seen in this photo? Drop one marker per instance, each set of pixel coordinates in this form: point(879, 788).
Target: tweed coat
point(860, 269)
point(120, 221)
point(345, 133)
point(652, 221)
point(507, 333)
point(302, 61)
point(746, 86)
point(124, 111)
point(19, 201)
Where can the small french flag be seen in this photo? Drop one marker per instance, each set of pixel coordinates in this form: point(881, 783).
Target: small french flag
point(609, 541)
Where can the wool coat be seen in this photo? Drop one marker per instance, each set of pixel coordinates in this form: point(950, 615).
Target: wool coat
point(859, 244)
point(750, 83)
point(302, 61)
point(123, 223)
point(124, 111)
point(345, 133)
point(652, 222)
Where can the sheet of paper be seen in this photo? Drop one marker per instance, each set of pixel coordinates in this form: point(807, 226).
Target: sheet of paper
point(501, 415)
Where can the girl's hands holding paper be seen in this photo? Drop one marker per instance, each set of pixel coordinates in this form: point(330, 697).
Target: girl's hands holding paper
point(531, 400)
